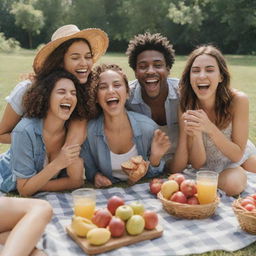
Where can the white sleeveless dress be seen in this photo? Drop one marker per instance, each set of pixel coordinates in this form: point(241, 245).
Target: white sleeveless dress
point(216, 161)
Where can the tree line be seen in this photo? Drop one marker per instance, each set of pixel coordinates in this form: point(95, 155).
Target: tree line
point(229, 24)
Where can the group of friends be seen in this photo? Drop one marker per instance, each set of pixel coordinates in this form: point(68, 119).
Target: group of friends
point(70, 121)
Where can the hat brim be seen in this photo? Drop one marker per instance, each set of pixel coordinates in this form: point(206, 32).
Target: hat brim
point(97, 39)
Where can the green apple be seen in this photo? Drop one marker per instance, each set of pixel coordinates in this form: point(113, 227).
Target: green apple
point(124, 212)
point(138, 208)
point(135, 225)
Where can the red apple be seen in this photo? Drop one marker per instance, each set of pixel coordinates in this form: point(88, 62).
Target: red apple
point(250, 207)
point(156, 180)
point(101, 218)
point(178, 197)
point(246, 201)
point(178, 177)
point(113, 203)
point(155, 188)
point(192, 200)
point(253, 196)
point(188, 187)
point(151, 219)
point(116, 227)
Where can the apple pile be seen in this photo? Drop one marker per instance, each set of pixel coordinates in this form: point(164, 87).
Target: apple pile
point(177, 189)
point(114, 220)
point(249, 203)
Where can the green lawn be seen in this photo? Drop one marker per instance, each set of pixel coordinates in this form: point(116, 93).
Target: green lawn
point(242, 68)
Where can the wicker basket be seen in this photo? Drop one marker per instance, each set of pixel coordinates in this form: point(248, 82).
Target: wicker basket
point(246, 219)
point(188, 211)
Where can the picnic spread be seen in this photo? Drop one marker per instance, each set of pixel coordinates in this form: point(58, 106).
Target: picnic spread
point(180, 236)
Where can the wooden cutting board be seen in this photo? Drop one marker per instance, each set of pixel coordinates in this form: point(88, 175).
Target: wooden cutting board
point(114, 243)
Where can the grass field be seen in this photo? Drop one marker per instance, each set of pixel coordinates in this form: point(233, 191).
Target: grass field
point(242, 68)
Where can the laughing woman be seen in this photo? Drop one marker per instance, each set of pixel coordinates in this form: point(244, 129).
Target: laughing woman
point(71, 49)
point(38, 155)
point(117, 134)
point(215, 121)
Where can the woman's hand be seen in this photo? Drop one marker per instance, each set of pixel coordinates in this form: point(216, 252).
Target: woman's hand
point(67, 155)
point(159, 146)
point(101, 181)
point(196, 122)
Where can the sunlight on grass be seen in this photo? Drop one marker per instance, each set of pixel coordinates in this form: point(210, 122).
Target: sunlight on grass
point(242, 68)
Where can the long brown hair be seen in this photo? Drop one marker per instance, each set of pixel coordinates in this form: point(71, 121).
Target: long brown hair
point(224, 94)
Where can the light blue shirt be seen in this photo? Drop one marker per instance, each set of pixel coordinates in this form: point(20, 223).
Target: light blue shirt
point(96, 153)
point(136, 103)
point(26, 155)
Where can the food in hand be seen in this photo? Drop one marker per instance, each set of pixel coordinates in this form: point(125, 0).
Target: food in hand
point(124, 212)
point(188, 187)
point(178, 177)
point(135, 225)
point(81, 226)
point(98, 236)
point(135, 168)
point(151, 219)
point(178, 197)
point(116, 227)
point(113, 203)
point(101, 218)
point(138, 208)
point(168, 188)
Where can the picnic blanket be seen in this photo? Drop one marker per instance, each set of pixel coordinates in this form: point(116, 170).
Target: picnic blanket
point(180, 237)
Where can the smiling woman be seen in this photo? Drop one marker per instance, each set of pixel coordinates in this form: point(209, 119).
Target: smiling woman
point(214, 121)
point(71, 49)
point(37, 156)
point(117, 134)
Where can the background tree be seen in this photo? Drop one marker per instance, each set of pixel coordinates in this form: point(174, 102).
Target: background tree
point(230, 25)
point(28, 18)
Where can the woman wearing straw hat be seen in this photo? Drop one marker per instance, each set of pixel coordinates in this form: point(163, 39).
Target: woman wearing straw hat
point(72, 49)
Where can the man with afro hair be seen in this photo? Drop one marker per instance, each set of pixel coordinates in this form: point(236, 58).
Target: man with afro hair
point(153, 93)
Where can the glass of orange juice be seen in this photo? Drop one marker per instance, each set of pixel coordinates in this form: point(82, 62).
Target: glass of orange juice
point(207, 183)
point(84, 200)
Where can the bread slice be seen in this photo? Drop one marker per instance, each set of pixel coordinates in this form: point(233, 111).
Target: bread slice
point(137, 159)
point(129, 165)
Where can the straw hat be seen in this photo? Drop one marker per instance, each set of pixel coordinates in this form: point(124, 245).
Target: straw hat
point(97, 39)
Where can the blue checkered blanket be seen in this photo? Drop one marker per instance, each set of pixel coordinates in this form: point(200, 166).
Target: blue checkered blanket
point(180, 237)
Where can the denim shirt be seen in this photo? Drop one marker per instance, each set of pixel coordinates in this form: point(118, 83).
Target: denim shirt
point(26, 155)
point(136, 103)
point(96, 153)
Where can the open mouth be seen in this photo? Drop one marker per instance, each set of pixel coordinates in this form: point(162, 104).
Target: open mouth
point(81, 71)
point(112, 101)
point(203, 86)
point(65, 106)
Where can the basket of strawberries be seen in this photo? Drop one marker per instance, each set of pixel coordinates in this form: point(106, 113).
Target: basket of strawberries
point(245, 211)
point(178, 196)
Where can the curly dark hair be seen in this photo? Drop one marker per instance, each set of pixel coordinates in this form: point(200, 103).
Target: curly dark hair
point(224, 94)
point(96, 77)
point(36, 100)
point(147, 41)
